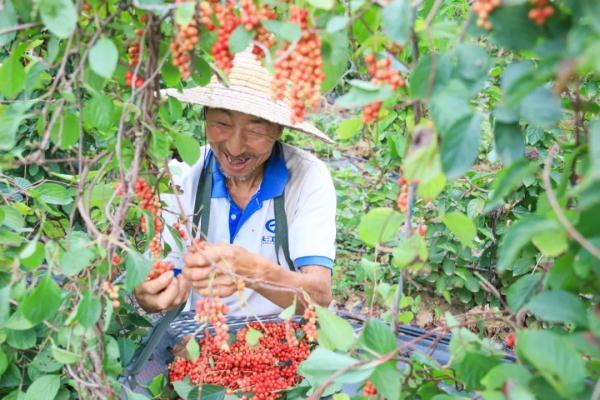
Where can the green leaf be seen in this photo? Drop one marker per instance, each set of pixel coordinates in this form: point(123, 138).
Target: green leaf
point(507, 180)
point(471, 368)
point(512, 28)
point(12, 76)
point(88, 310)
point(541, 108)
point(252, 337)
point(377, 337)
point(555, 359)
point(43, 388)
point(558, 306)
point(322, 363)
point(520, 291)
point(103, 57)
point(509, 141)
point(423, 81)
point(348, 128)
point(283, 30)
point(59, 16)
point(552, 242)
point(460, 145)
point(473, 62)
point(63, 356)
point(99, 112)
point(188, 148)
point(8, 18)
point(193, 349)
point(357, 97)
point(288, 312)
point(22, 339)
point(397, 20)
point(335, 54)
point(430, 190)
point(322, 4)
point(65, 132)
point(334, 331)
point(32, 254)
point(3, 362)
point(184, 13)
point(594, 147)
point(462, 226)
point(410, 252)
point(497, 376)
point(240, 39)
point(53, 193)
point(387, 379)
point(379, 225)
point(10, 120)
point(43, 301)
point(138, 268)
point(79, 254)
point(337, 23)
point(519, 235)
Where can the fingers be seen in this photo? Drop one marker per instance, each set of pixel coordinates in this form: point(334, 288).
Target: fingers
point(157, 285)
point(218, 291)
point(183, 291)
point(217, 280)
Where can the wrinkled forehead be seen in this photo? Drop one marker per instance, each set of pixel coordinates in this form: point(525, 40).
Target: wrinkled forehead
point(236, 116)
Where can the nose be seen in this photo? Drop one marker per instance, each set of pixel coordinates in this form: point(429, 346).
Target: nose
point(236, 143)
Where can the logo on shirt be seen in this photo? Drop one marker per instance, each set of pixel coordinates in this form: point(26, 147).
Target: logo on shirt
point(270, 227)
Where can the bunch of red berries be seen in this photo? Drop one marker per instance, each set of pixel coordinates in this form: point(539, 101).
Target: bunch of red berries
point(179, 228)
point(159, 267)
point(299, 71)
point(116, 260)
point(261, 371)
point(134, 58)
point(483, 9)
point(310, 327)
point(184, 41)
point(541, 11)
point(249, 16)
point(212, 311)
point(227, 22)
point(113, 293)
point(263, 36)
point(369, 389)
point(150, 201)
point(381, 73)
point(205, 12)
point(402, 200)
point(196, 245)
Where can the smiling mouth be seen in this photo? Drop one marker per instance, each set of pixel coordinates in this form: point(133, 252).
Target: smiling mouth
point(236, 163)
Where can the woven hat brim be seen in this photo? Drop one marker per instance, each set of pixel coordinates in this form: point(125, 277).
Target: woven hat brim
point(245, 100)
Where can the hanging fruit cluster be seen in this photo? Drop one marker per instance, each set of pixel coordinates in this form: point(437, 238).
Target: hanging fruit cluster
point(259, 372)
point(381, 72)
point(310, 327)
point(369, 389)
point(227, 22)
point(131, 78)
point(159, 267)
point(402, 200)
point(150, 201)
point(483, 9)
point(178, 226)
point(185, 39)
point(113, 293)
point(541, 11)
point(212, 311)
point(299, 69)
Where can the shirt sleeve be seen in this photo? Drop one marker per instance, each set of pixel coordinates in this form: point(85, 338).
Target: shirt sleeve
point(312, 225)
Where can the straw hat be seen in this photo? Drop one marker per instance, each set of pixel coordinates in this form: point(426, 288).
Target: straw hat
point(249, 91)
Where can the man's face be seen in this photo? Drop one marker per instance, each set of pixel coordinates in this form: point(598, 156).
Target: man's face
point(242, 143)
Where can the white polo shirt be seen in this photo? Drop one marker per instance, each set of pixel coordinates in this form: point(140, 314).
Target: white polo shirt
point(310, 205)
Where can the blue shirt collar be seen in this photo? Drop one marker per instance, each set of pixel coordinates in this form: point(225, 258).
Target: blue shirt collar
point(275, 178)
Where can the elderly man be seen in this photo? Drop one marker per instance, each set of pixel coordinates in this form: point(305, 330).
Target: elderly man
point(253, 186)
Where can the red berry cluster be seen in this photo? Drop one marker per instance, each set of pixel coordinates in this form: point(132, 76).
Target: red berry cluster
point(205, 13)
point(369, 389)
point(197, 244)
point(179, 228)
point(112, 292)
point(212, 311)
point(299, 71)
point(541, 11)
point(263, 36)
point(134, 58)
point(510, 340)
point(310, 327)
point(228, 21)
point(186, 38)
point(116, 260)
point(290, 334)
point(402, 200)
point(381, 73)
point(150, 201)
point(422, 230)
point(158, 268)
point(259, 372)
point(483, 9)
point(249, 16)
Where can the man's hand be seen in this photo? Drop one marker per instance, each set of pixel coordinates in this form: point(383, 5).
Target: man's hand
point(207, 269)
point(163, 293)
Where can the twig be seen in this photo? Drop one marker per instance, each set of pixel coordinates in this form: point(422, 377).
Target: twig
point(18, 28)
point(564, 221)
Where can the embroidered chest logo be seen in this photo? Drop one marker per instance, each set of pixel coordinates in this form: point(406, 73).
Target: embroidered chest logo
point(270, 227)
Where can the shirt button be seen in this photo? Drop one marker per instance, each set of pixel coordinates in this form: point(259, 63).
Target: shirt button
point(233, 216)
